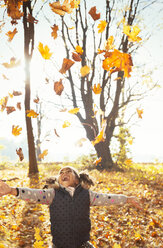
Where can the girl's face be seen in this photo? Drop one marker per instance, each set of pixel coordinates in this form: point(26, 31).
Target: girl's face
point(67, 177)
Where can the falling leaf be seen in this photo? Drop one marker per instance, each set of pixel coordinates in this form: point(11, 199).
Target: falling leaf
point(117, 61)
point(10, 109)
point(58, 87)
point(101, 136)
point(66, 124)
point(43, 154)
point(80, 142)
point(13, 10)
point(79, 50)
point(130, 140)
point(19, 152)
point(93, 13)
point(76, 57)
point(74, 4)
point(11, 95)
point(16, 130)
point(132, 35)
point(109, 43)
point(36, 100)
point(139, 112)
point(66, 65)
point(74, 111)
point(13, 63)
point(55, 131)
point(1, 26)
point(47, 80)
point(54, 31)
point(16, 93)
point(101, 26)
point(45, 51)
point(85, 70)
point(31, 113)
point(59, 9)
point(63, 110)
point(4, 77)
point(31, 19)
point(97, 161)
point(97, 89)
point(18, 105)
point(3, 103)
point(11, 34)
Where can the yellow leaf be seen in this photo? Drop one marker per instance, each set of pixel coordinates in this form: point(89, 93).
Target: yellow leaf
point(79, 50)
point(16, 130)
point(66, 124)
point(11, 34)
point(97, 89)
point(74, 111)
point(116, 246)
point(45, 51)
point(43, 154)
point(101, 26)
point(132, 35)
point(130, 140)
point(85, 70)
point(2, 246)
point(109, 43)
point(31, 113)
point(128, 161)
point(74, 4)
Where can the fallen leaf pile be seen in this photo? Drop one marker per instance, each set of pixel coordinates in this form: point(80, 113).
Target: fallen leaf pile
point(26, 224)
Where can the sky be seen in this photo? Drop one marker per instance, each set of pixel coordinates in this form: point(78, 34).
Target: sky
point(147, 133)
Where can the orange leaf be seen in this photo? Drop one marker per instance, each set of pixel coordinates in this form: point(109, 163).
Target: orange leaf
point(31, 113)
point(58, 87)
point(66, 65)
point(74, 111)
point(76, 57)
point(45, 51)
point(117, 61)
point(97, 161)
point(43, 154)
point(66, 124)
point(74, 4)
point(79, 50)
point(94, 14)
point(139, 112)
point(19, 152)
point(13, 10)
point(11, 34)
point(54, 31)
point(10, 109)
point(85, 70)
point(101, 136)
point(16, 130)
point(97, 89)
point(59, 9)
point(13, 63)
point(101, 26)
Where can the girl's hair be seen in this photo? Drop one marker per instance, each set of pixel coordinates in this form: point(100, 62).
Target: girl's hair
point(84, 179)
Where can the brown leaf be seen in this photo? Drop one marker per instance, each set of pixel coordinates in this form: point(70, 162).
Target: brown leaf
point(54, 32)
point(19, 152)
point(58, 87)
point(67, 63)
point(36, 100)
point(31, 19)
point(18, 105)
point(55, 131)
point(10, 109)
point(16, 93)
point(94, 14)
point(76, 57)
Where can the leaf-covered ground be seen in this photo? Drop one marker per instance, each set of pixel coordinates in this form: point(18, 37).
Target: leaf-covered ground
point(25, 224)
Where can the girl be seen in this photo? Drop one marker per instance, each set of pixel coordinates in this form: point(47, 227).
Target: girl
point(69, 200)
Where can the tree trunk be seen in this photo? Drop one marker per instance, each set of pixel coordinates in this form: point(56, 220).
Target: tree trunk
point(103, 151)
point(28, 50)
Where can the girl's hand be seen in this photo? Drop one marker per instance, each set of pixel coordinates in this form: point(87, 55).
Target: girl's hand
point(133, 201)
point(4, 188)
